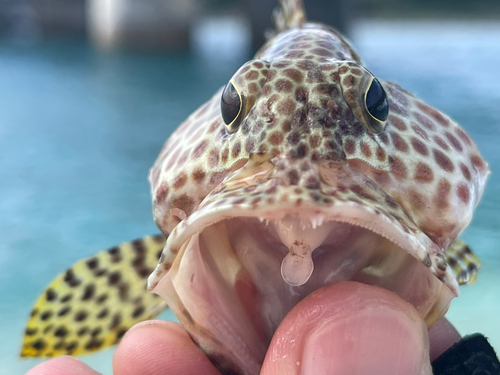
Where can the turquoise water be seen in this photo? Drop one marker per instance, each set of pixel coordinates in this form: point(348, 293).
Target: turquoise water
point(79, 130)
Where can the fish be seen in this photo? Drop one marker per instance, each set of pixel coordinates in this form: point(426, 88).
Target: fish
point(304, 170)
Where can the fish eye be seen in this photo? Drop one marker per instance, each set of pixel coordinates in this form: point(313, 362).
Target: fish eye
point(231, 106)
point(377, 106)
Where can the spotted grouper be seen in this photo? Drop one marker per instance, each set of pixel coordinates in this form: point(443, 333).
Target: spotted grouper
point(304, 170)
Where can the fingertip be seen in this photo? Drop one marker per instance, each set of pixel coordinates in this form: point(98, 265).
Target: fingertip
point(159, 347)
point(62, 366)
point(350, 328)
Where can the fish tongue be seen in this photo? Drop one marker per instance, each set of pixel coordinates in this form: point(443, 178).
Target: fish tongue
point(301, 238)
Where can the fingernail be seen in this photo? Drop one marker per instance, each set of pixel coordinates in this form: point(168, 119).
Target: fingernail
point(375, 340)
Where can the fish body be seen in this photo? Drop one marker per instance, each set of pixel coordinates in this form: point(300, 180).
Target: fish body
point(306, 170)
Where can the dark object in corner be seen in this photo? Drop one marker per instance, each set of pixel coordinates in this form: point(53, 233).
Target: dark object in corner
point(473, 355)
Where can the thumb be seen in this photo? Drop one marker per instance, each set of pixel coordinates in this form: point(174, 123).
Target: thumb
point(350, 328)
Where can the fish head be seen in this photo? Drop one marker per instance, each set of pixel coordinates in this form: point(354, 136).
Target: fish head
point(306, 170)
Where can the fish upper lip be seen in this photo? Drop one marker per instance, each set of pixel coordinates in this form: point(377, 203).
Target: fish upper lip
point(214, 209)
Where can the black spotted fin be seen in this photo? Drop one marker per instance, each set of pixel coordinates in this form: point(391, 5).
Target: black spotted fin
point(288, 15)
point(463, 262)
point(91, 305)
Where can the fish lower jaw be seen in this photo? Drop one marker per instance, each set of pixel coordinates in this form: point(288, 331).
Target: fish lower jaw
point(234, 281)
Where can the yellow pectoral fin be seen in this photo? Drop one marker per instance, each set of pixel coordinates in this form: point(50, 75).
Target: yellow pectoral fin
point(464, 263)
point(91, 305)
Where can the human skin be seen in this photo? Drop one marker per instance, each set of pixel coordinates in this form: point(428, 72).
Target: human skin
point(348, 328)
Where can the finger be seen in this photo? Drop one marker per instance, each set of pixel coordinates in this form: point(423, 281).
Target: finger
point(442, 335)
point(350, 328)
point(157, 348)
point(62, 366)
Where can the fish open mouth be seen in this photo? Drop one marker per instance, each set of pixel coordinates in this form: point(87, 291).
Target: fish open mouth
point(243, 263)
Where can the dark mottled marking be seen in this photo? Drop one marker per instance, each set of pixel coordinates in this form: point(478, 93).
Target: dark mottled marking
point(300, 151)
point(286, 107)
point(138, 312)
point(94, 344)
point(421, 132)
point(478, 162)
point(417, 201)
point(59, 345)
point(115, 254)
point(443, 161)
point(71, 279)
point(236, 150)
point(115, 322)
point(34, 312)
point(82, 331)
point(284, 85)
point(92, 263)
point(180, 181)
point(31, 331)
point(64, 311)
point(295, 74)
point(276, 138)
point(100, 272)
point(443, 193)
point(198, 175)
point(50, 295)
point(249, 145)
point(81, 316)
point(381, 155)
point(300, 95)
point(454, 142)
point(424, 173)
point(225, 155)
point(185, 203)
point(103, 313)
point(114, 278)
point(46, 315)
point(464, 137)
point(463, 193)
point(72, 346)
point(419, 147)
point(384, 138)
point(120, 333)
point(198, 151)
point(365, 150)
point(441, 143)
point(89, 292)
point(350, 147)
point(349, 81)
point(424, 121)
point(123, 288)
point(465, 172)
point(47, 329)
point(436, 115)
point(162, 192)
point(61, 332)
point(293, 138)
point(358, 190)
point(252, 75)
point(38, 344)
point(101, 298)
point(397, 166)
point(213, 158)
point(96, 331)
point(399, 142)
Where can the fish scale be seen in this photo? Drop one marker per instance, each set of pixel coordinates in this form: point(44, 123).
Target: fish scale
point(305, 162)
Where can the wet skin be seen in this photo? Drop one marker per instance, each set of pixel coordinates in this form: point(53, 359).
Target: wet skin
point(372, 323)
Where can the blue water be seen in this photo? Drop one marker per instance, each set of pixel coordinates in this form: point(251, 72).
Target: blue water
point(79, 130)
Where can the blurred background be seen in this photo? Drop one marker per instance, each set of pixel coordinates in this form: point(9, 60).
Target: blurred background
point(90, 90)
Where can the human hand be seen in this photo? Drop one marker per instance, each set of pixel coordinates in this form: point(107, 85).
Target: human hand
point(347, 328)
